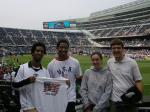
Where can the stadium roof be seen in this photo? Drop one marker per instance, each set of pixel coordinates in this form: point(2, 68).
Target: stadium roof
point(109, 13)
point(138, 4)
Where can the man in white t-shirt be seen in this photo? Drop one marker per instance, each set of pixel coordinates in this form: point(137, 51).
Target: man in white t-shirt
point(66, 66)
point(33, 91)
point(26, 77)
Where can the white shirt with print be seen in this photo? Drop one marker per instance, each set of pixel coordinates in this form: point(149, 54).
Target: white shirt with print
point(34, 96)
point(70, 69)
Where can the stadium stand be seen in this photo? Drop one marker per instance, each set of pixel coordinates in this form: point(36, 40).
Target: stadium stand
point(5, 39)
point(22, 39)
point(133, 42)
point(129, 22)
point(125, 20)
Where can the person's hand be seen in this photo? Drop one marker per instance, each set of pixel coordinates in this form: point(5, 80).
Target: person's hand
point(87, 110)
point(68, 82)
point(31, 110)
point(32, 79)
point(130, 94)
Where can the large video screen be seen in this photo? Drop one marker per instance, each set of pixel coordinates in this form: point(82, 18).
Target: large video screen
point(59, 25)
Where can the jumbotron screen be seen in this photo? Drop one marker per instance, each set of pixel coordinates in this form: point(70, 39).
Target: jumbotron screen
point(59, 25)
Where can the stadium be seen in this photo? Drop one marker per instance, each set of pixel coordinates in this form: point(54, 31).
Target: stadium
point(129, 22)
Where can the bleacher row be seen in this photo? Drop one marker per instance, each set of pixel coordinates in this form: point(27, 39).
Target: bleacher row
point(135, 30)
point(130, 17)
point(132, 42)
point(126, 23)
point(20, 37)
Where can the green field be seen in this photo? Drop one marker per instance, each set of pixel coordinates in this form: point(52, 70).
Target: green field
point(85, 63)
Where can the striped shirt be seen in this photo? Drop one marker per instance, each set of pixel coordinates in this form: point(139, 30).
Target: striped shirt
point(125, 73)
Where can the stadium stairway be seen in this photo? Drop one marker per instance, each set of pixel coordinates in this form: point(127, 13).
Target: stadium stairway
point(90, 35)
point(24, 38)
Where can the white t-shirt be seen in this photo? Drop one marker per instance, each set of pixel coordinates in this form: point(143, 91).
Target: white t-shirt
point(70, 69)
point(34, 96)
point(50, 102)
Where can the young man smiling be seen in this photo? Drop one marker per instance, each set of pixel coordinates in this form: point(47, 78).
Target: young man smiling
point(126, 74)
point(26, 77)
point(66, 66)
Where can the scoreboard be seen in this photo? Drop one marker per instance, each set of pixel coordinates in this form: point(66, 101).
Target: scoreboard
point(59, 25)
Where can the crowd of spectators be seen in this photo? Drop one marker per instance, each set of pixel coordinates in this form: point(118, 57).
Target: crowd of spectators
point(22, 37)
point(7, 72)
point(123, 31)
point(132, 42)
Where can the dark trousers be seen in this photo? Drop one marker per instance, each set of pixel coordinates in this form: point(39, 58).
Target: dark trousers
point(122, 107)
point(71, 107)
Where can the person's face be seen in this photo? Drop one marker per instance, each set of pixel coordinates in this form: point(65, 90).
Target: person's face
point(38, 53)
point(96, 61)
point(62, 49)
point(117, 51)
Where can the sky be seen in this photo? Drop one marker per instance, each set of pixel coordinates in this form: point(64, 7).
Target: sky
point(30, 14)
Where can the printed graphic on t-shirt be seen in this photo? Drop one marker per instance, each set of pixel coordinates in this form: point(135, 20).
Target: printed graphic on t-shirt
point(51, 88)
point(64, 71)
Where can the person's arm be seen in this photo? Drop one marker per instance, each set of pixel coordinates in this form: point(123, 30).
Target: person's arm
point(31, 110)
point(79, 77)
point(139, 85)
point(50, 70)
point(84, 90)
point(137, 77)
point(24, 82)
point(104, 99)
point(78, 72)
point(19, 80)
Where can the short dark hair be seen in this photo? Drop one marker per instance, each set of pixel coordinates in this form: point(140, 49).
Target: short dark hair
point(117, 42)
point(97, 53)
point(38, 44)
point(62, 41)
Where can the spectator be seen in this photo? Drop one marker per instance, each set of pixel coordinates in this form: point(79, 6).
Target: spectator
point(96, 86)
point(126, 75)
point(26, 77)
point(68, 67)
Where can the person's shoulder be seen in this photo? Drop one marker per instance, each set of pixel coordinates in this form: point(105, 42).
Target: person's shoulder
point(130, 60)
point(105, 69)
point(110, 60)
point(44, 69)
point(87, 71)
point(73, 59)
point(51, 62)
point(107, 72)
point(23, 65)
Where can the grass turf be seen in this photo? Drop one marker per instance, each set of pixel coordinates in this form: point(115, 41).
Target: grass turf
point(85, 63)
